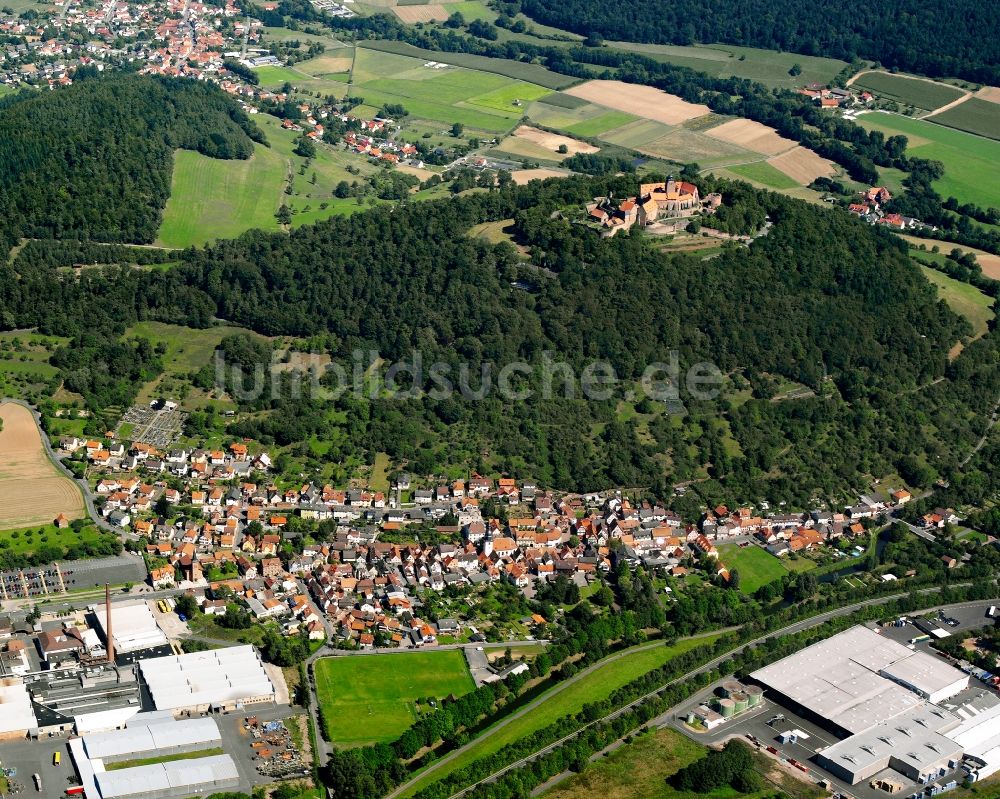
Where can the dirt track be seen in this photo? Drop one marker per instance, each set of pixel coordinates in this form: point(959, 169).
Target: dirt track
point(31, 491)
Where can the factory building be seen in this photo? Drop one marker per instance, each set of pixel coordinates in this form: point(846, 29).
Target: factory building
point(168, 780)
point(17, 717)
point(149, 734)
point(203, 682)
point(133, 626)
point(880, 697)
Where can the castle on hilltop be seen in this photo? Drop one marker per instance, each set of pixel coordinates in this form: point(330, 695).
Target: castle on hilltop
point(669, 199)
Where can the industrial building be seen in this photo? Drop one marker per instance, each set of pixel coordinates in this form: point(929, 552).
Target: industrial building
point(882, 699)
point(17, 717)
point(133, 626)
point(148, 735)
point(202, 682)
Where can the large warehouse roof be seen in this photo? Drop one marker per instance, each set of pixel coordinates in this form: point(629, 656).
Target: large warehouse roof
point(133, 626)
point(16, 713)
point(206, 678)
point(141, 737)
point(178, 775)
point(841, 678)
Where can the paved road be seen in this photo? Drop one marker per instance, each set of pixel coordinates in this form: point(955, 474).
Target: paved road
point(659, 720)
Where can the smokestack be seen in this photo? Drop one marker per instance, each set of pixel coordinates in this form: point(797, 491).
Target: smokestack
point(108, 630)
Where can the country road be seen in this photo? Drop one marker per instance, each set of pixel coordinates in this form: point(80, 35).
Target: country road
point(799, 626)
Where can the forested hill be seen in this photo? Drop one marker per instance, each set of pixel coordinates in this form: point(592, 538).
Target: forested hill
point(94, 160)
point(934, 38)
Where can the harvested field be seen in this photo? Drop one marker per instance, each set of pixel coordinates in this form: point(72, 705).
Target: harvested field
point(523, 176)
point(432, 12)
point(416, 171)
point(989, 262)
point(642, 101)
point(326, 64)
point(802, 165)
point(552, 141)
point(31, 490)
point(989, 93)
point(751, 136)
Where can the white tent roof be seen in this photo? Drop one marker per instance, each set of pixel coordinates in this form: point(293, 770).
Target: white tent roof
point(16, 713)
point(213, 677)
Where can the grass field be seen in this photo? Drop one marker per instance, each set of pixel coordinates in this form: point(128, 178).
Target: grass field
point(187, 349)
point(909, 91)
point(371, 698)
point(27, 540)
point(271, 76)
point(971, 163)
point(640, 771)
point(963, 299)
point(215, 199)
point(596, 685)
point(756, 566)
point(152, 761)
point(601, 124)
point(764, 174)
point(764, 66)
point(973, 116)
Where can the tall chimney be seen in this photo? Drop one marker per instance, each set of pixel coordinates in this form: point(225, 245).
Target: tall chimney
point(107, 627)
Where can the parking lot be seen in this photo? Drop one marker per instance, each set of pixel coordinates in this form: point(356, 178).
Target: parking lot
point(769, 720)
point(35, 757)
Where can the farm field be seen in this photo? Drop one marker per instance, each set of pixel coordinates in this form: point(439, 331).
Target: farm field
point(920, 93)
point(640, 771)
point(536, 143)
point(641, 101)
point(751, 136)
point(989, 262)
point(601, 123)
point(963, 299)
point(371, 698)
point(802, 165)
point(32, 491)
point(765, 66)
point(975, 115)
point(971, 163)
point(594, 686)
point(429, 12)
point(480, 100)
point(335, 62)
point(215, 199)
point(524, 176)
point(763, 173)
point(685, 146)
point(756, 566)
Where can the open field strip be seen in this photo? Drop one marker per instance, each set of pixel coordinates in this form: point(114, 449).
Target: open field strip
point(989, 262)
point(551, 142)
point(371, 698)
point(431, 12)
point(971, 163)
point(802, 165)
point(640, 101)
point(567, 698)
point(524, 176)
point(32, 490)
point(752, 136)
point(760, 172)
point(989, 93)
point(964, 299)
point(756, 566)
point(918, 92)
point(974, 115)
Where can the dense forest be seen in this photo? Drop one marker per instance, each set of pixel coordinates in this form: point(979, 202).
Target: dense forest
point(908, 34)
point(94, 160)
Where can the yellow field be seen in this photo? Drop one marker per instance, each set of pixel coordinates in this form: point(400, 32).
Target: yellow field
point(641, 101)
point(752, 136)
point(802, 165)
point(432, 12)
point(31, 490)
point(524, 176)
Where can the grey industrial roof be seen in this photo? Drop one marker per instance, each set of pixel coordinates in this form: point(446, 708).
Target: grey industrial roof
point(177, 775)
point(839, 679)
point(212, 677)
point(140, 737)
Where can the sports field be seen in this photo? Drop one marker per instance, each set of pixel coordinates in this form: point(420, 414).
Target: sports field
point(756, 566)
point(569, 698)
point(981, 117)
point(971, 163)
point(371, 698)
point(918, 92)
point(32, 491)
point(215, 199)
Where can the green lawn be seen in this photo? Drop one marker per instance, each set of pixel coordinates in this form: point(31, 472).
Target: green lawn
point(971, 163)
point(152, 761)
point(503, 99)
point(380, 476)
point(370, 698)
point(975, 116)
point(963, 299)
point(188, 349)
point(756, 566)
point(762, 172)
point(601, 124)
point(909, 91)
point(272, 76)
point(596, 685)
point(27, 540)
point(215, 199)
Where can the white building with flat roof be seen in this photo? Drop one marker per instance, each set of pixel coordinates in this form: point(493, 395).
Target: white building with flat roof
point(178, 778)
point(133, 626)
point(206, 681)
point(17, 717)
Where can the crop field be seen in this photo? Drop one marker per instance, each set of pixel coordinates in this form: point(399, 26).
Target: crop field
point(339, 61)
point(569, 698)
point(372, 698)
point(752, 136)
point(481, 100)
point(551, 142)
point(764, 66)
point(686, 146)
point(756, 566)
point(529, 73)
point(641, 101)
point(917, 92)
point(989, 262)
point(602, 123)
point(971, 163)
point(975, 115)
point(430, 12)
point(215, 199)
point(802, 165)
point(637, 134)
point(32, 491)
point(524, 176)
point(763, 173)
